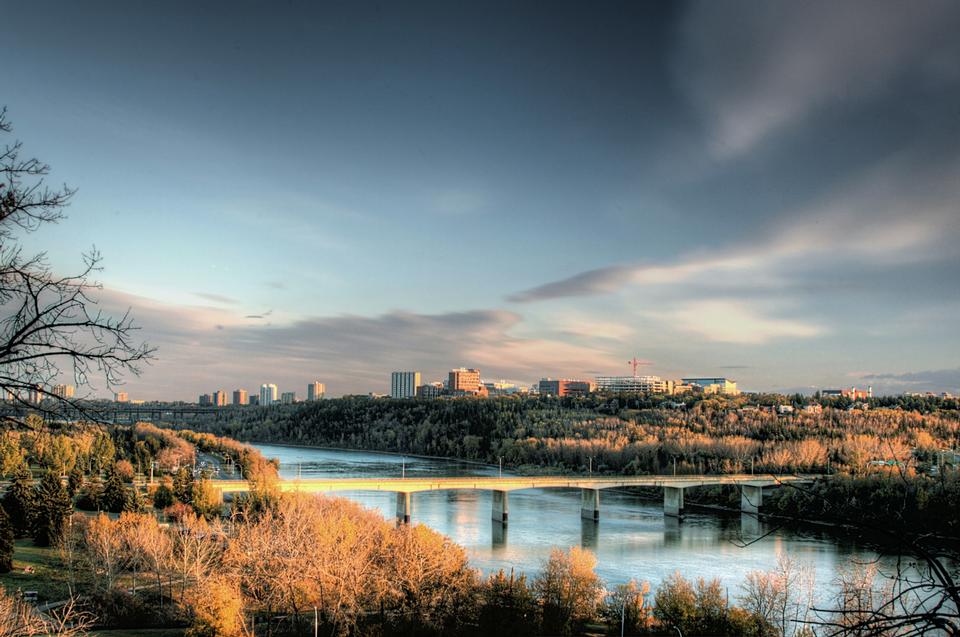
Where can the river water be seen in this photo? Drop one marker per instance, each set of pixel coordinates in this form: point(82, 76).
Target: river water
point(633, 539)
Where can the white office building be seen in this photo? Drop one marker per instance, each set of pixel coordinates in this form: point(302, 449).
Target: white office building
point(268, 394)
point(635, 384)
point(404, 384)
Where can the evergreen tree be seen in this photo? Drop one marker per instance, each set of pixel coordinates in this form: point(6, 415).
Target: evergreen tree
point(19, 501)
point(183, 485)
point(74, 480)
point(134, 502)
point(6, 542)
point(162, 496)
point(114, 497)
point(51, 510)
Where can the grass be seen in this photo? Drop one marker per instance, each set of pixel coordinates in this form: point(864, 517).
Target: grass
point(48, 578)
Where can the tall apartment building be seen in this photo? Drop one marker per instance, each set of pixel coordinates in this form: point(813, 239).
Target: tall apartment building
point(288, 397)
point(268, 394)
point(464, 380)
point(714, 385)
point(219, 398)
point(36, 394)
point(63, 391)
point(404, 384)
point(205, 400)
point(635, 384)
point(561, 387)
point(240, 397)
point(316, 390)
point(121, 397)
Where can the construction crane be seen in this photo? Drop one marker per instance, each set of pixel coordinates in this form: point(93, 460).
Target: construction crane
point(635, 363)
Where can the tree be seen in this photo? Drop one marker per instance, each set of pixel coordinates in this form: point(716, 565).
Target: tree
point(114, 496)
point(569, 590)
point(162, 496)
point(675, 603)
point(626, 607)
point(217, 609)
point(74, 480)
point(508, 606)
point(19, 501)
point(50, 323)
point(183, 485)
point(6, 542)
point(53, 507)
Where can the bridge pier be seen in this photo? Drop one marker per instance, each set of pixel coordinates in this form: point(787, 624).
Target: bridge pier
point(403, 508)
point(673, 501)
point(751, 498)
point(590, 504)
point(501, 507)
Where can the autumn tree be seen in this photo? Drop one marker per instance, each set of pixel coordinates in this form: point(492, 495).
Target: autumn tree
point(627, 607)
point(569, 590)
point(508, 606)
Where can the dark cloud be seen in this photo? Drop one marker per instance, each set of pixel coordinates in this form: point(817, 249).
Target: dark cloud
point(936, 380)
point(597, 281)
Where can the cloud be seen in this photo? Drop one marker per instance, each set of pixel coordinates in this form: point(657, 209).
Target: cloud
point(202, 349)
point(733, 322)
point(937, 380)
point(752, 69)
point(902, 210)
point(216, 298)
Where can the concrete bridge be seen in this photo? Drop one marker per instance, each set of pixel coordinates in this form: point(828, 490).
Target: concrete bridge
point(751, 488)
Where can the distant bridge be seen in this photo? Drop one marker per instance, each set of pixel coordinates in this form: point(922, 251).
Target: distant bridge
point(751, 488)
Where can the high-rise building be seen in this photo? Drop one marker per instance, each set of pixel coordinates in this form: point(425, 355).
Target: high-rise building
point(316, 390)
point(404, 384)
point(121, 397)
point(205, 400)
point(36, 395)
point(253, 399)
point(219, 398)
point(288, 397)
point(561, 387)
point(268, 394)
point(240, 397)
point(714, 385)
point(63, 391)
point(635, 384)
point(464, 380)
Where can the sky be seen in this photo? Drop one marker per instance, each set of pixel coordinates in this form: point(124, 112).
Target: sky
point(288, 192)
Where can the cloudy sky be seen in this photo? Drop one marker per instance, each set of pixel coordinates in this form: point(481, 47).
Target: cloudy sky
point(286, 192)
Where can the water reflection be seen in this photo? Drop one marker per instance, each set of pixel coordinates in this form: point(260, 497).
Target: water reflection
point(633, 539)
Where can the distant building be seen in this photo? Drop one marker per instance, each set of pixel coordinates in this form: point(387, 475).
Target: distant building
point(253, 400)
point(561, 387)
point(785, 409)
point(121, 397)
point(63, 391)
point(503, 388)
point(316, 390)
point(205, 400)
point(714, 385)
point(268, 394)
point(404, 384)
point(35, 396)
point(634, 384)
point(432, 390)
point(288, 397)
point(240, 397)
point(813, 408)
point(465, 381)
point(852, 393)
point(219, 398)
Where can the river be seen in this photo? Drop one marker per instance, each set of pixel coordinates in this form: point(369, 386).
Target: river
point(633, 539)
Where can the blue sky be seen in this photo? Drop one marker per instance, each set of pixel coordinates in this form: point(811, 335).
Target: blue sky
point(766, 191)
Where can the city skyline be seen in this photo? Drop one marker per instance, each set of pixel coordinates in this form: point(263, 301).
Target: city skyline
point(526, 192)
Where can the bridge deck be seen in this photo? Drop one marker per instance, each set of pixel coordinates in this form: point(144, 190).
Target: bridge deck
point(510, 483)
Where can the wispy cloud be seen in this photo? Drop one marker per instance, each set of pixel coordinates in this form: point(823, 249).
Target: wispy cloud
point(939, 380)
point(733, 322)
point(217, 298)
point(752, 69)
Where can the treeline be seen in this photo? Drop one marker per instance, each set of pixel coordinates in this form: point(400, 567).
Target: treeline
point(306, 559)
point(620, 436)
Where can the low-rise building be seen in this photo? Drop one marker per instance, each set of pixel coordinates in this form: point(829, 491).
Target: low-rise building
point(635, 384)
point(561, 387)
point(430, 390)
point(723, 386)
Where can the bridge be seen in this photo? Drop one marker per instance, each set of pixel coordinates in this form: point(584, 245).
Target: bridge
point(751, 488)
